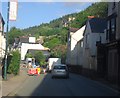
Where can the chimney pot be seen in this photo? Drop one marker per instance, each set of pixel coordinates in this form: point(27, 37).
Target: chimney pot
point(91, 17)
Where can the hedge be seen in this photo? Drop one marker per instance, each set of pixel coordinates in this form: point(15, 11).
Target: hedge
point(15, 63)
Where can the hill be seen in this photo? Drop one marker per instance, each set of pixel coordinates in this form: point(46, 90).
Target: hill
point(56, 30)
point(46, 29)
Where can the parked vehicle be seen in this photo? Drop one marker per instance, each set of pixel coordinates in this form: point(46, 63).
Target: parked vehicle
point(52, 61)
point(28, 60)
point(60, 70)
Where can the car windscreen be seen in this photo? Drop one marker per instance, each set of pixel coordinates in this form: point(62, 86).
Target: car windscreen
point(59, 67)
point(29, 61)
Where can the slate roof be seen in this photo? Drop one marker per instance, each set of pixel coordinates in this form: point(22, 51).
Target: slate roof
point(24, 39)
point(73, 29)
point(65, 21)
point(98, 25)
point(16, 40)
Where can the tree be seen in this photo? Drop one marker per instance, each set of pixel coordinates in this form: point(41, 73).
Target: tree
point(14, 33)
point(28, 55)
point(39, 57)
point(52, 43)
point(63, 35)
point(96, 9)
point(60, 52)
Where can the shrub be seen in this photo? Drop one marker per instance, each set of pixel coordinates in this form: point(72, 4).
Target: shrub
point(28, 55)
point(15, 63)
point(39, 57)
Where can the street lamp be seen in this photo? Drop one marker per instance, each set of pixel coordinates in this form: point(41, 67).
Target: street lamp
point(5, 66)
point(11, 15)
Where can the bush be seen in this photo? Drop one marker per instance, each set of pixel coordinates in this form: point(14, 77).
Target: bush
point(15, 63)
point(40, 58)
point(28, 55)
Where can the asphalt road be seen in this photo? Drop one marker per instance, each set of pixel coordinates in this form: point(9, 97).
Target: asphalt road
point(76, 85)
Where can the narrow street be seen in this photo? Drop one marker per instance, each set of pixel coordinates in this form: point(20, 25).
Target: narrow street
point(76, 85)
point(62, 37)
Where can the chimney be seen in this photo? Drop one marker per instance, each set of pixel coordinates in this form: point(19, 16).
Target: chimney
point(91, 17)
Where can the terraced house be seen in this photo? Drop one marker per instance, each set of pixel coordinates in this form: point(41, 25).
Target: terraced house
point(2, 38)
point(94, 32)
point(108, 59)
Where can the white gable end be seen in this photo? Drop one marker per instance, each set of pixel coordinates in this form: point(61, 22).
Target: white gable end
point(77, 36)
point(26, 46)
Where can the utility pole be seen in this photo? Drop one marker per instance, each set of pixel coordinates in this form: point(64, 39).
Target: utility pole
point(6, 52)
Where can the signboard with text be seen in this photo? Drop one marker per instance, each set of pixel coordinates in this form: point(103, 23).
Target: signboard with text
point(13, 10)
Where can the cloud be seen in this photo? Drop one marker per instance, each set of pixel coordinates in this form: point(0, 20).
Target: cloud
point(71, 4)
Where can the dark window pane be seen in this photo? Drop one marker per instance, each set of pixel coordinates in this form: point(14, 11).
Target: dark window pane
point(59, 67)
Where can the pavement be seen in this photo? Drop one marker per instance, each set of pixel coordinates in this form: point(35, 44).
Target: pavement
point(13, 82)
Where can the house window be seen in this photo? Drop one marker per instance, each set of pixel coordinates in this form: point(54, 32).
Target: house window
point(114, 5)
point(0, 27)
point(111, 32)
point(113, 25)
point(81, 43)
point(86, 38)
point(69, 41)
point(107, 34)
point(113, 28)
point(108, 25)
point(2, 30)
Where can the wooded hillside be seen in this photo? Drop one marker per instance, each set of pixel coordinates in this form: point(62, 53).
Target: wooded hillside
point(55, 27)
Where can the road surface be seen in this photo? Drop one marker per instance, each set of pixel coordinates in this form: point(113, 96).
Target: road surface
point(76, 85)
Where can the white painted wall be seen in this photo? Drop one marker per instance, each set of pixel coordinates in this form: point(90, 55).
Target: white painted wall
point(79, 53)
point(78, 35)
point(68, 57)
point(86, 44)
point(74, 48)
point(3, 46)
point(32, 40)
point(2, 40)
point(90, 49)
point(0, 45)
point(26, 46)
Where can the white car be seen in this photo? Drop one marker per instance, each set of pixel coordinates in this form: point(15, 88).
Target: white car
point(60, 70)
